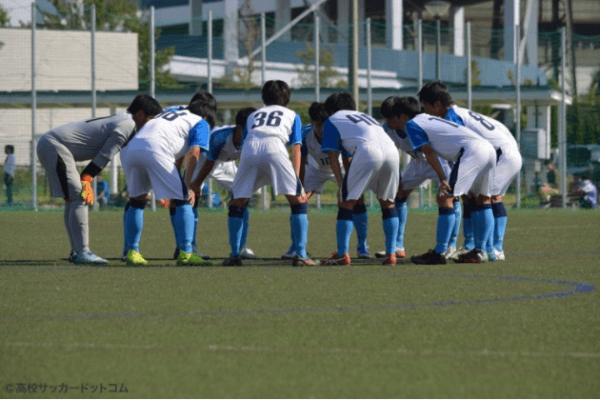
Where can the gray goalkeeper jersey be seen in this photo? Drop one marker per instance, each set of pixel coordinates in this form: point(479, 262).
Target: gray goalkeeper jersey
point(97, 139)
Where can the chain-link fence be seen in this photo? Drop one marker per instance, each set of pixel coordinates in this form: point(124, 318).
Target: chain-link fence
point(60, 51)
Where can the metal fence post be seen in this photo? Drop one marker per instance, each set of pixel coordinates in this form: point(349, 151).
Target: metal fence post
point(517, 37)
point(95, 206)
point(33, 106)
point(563, 119)
point(263, 39)
point(420, 58)
point(152, 83)
point(210, 88)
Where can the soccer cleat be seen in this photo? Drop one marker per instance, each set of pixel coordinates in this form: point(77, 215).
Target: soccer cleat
point(87, 257)
point(247, 254)
point(449, 252)
point(389, 260)
point(335, 260)
point(135, 259)
point(124, 256)
point(363, 253)
point(499, 255)
point(203, 256)
point(192, 259)
point(400, 253)
point(72, 256)
point(475, 256)
point(232, 262)
point(305, 262)
point(429, 258)
point(176, 253)
point(289, 255)
point(491, 256)
point(462, 250)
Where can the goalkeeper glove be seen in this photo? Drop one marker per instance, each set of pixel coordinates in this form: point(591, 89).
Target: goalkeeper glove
point(87, 193)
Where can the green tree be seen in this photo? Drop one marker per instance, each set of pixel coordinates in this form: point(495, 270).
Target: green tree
point(116, 16)
point(328, 77)
point(4, 20)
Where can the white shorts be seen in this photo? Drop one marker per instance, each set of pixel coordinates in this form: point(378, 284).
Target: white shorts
point(474, 171)
point(315, 179)
point(418, 171)
point(223, 172)
point(145, 170)
point(508, 166)
point(61, 170)
point(265, 162)
point(373, 167)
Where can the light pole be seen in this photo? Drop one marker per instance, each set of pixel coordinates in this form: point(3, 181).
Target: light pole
point(437, 9)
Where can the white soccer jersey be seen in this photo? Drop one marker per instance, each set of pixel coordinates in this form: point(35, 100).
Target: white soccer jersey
point(221, 147)
point(274, 122)
point(446, 138)
point(311, 149)
point(488, 128)
point(474, 158)
point(172, 133)
point(351, 129)
point(375, 160)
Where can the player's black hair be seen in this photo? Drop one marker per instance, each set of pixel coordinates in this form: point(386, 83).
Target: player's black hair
point(276, 92)
point(395, 106)
point(317, 112)
point(242, 116)
point(339, 101)
point(207, 98)
point(146, 103)
point(204, 110)
point(10, 147)
point(435, 91)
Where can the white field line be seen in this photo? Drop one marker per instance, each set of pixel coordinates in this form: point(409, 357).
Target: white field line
point(240, 349)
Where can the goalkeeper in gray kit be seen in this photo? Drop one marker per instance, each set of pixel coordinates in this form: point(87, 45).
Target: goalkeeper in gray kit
point(96, 140)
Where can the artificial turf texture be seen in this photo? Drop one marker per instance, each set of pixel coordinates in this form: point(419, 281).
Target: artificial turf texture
point(528, 327)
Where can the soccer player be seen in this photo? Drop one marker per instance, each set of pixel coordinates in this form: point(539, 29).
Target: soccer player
point(375, 165)
point(437, 101)
point(315, 171)
point(474, 160)
point(149, 161)
point(98, 140)
point(225, 146)
point(415, 173)
point(265, 160)
point(209, 100)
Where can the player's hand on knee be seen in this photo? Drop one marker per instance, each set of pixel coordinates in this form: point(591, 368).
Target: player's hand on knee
point(191, 196)
point(87, 193)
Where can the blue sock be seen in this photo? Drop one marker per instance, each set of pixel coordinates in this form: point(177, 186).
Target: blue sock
point(246, 219)
point(235, 223)
point(468, 224)
point(500, 220)
point(484, 225)
point(402, 216)
point(390, 228)
point(127, 207)
point(195, 211)
point(184, 225)
point(300, 228)
point(343, 230)
point(456, 228)
point(445, 224)
point(172, 218)
point(361, 224)
point(135, 223)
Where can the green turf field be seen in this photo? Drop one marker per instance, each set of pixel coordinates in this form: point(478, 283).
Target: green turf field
point(527, 327)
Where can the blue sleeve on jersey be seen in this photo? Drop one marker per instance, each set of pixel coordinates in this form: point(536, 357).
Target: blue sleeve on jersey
point(199, 135)
point(331, 137)
point(217, 142)
point(296, 134)
point(451, 115)
point(173, 109)
point(346, 153)
point(417, 136)
point(305, 131)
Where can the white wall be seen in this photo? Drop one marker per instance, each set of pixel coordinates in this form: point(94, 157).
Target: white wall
point(63, 60)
